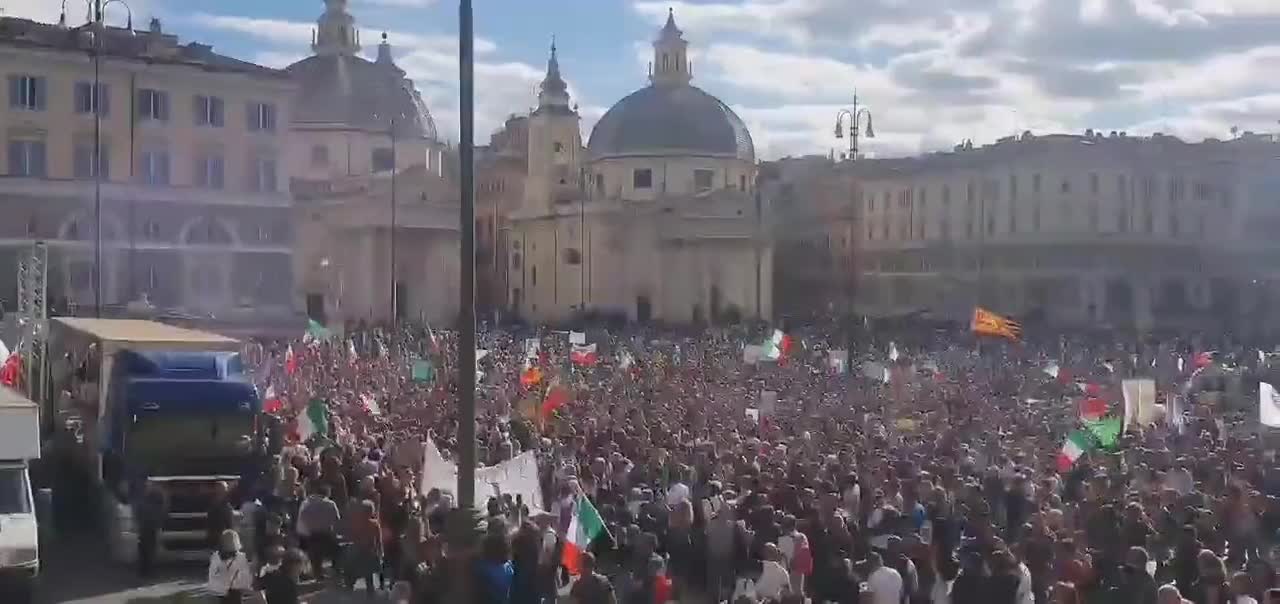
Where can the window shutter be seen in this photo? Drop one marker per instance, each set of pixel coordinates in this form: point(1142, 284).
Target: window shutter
point(37, 157)
point(199, 109)
point(103, 99)
point(15, 91)
point(162, 168)
point(42, 91)
point(251, 116)
point(216, 172)
point(15, 157)
point(215, 111)
point(144, 104)
point(164, 105)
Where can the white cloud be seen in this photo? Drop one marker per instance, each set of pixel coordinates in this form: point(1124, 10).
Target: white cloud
point(400, 3)
point(431, 60)
point(934, 73)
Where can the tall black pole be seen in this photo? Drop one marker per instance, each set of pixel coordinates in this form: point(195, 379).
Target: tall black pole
point(98, 31)
point(395, 291)
point(467, 288)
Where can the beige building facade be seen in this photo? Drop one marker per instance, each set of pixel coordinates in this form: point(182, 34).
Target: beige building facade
point(1094, 230)
point(656, 218)
point(190, 160)
point(376, 197)
point(811, 199)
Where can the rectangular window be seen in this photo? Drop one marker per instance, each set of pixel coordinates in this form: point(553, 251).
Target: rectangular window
point(1013, 186)
point(1035, 183)
point(262, 175)
point(1093, 183)
point(27, 158)
point(88, 99)
point(28, 92)
point(210, 171)
point(153, 105)
point(642, 179)
point(209, 111)
point(153, 167)
point(742, 182)
point(946, 194)
point(702, 180)
point(262, 117)
point(383, 159)
point(88, 166)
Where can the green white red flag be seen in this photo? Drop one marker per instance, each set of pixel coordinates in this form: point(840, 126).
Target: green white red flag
point(584, 527)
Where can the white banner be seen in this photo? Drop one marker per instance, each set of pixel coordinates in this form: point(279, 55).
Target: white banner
point(513, 477)
point(751, 354)
point(1268, 405)
point(1139, 402)
point(768, 402)
point(838, 361)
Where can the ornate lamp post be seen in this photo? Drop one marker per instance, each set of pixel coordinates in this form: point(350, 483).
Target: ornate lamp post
point(854, 115)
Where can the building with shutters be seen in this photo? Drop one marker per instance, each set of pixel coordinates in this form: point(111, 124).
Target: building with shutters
point(1091, 230)
point(190, 164)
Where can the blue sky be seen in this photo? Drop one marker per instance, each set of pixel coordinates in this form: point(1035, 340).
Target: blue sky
point(933, 72)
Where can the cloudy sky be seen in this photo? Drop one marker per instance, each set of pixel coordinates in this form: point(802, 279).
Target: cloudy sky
point(932, 72)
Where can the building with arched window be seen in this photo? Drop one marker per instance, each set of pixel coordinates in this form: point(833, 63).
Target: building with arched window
point(187, 160)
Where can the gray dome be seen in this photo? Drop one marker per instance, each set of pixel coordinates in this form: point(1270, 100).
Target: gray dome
point(671, 119)
point(350, 90)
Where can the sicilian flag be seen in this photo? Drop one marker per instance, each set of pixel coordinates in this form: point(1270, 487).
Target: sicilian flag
point(583, 356)
point(271, 402)
point(530, 377)
point(290, 361)
point(584, 527)
point(987, 323)
point(1078, 443)
point(313, 421)
point(778, 345)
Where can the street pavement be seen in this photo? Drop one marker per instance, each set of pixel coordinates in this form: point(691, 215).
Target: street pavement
point(76, 571)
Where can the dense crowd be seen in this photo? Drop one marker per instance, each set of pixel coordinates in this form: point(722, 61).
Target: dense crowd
point(933, 477)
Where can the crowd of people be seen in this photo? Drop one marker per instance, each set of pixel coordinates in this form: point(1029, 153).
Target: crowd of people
point(936, 478)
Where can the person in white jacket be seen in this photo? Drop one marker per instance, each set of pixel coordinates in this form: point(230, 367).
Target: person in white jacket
point(230, 578)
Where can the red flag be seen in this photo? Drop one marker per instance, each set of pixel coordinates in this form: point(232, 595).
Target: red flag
point(290, 361)
point(11, 370)
point(583, 356)
point(556, 397)
point(1204, 359)
point(1093, 408)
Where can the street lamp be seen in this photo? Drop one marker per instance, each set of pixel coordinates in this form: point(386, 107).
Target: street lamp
point(854, 115)
point(98, 6)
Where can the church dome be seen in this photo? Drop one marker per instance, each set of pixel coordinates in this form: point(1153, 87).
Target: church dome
point(338, 86)
point(670, 115)
point(676, 119)
point(353, 91)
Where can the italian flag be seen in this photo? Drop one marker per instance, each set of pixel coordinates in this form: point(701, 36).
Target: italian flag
point(584, 527)
point(1078, 443)
point(777, 346)
point(313, 421)
point(290, 361)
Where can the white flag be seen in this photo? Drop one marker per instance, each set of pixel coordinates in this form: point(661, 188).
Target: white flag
point(1052, 369)
point(893, 352)
point(577, 337)
point(1268, 405)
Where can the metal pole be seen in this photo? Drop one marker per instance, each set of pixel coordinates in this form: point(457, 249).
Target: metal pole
point(853, 129)
point(467, 253)
point(395, 290)
point(97, 161)
point(582, 260)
